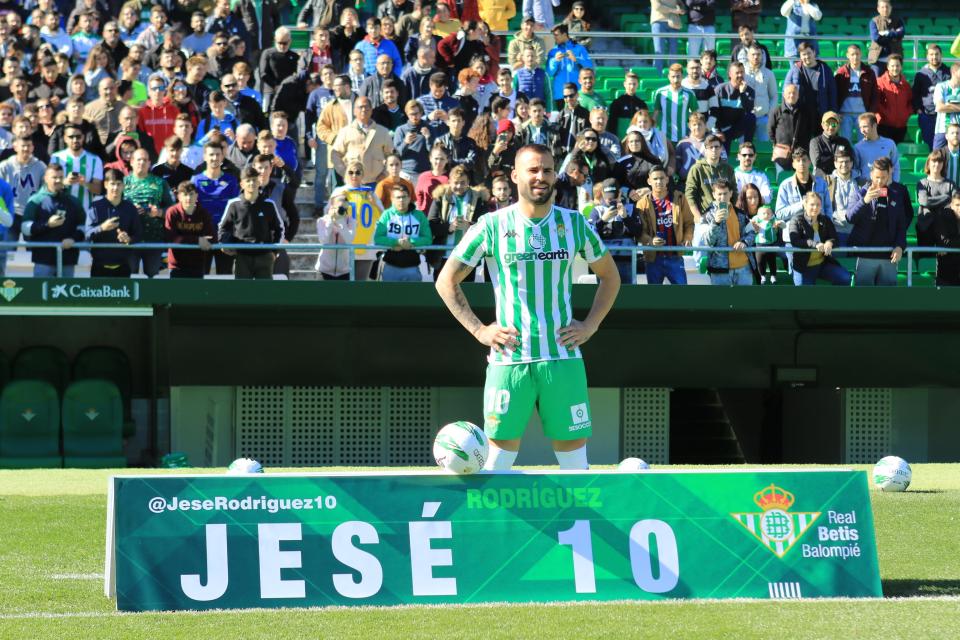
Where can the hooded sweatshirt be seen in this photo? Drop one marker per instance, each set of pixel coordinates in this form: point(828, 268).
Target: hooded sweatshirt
point(36, 216)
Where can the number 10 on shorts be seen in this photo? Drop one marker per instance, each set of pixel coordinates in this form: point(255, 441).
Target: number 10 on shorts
point(654, 561)
point(496, 401)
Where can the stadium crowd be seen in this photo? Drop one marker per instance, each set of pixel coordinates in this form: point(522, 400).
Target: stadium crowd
point(192, 121)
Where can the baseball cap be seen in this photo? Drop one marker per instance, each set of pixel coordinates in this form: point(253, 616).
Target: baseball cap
point(830, 115)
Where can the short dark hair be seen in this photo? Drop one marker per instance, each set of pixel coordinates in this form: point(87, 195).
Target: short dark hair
point(799, 154)
point(882, 164)
point(538, 102)
point(458, 112)
point(721, 183)
point(114, 175)
point(560, 28)
point(250, 174)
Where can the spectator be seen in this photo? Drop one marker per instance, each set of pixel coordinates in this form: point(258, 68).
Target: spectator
point(364, 141)
point(112, 220)
point(766, 225)
point(946, 100)
point(627, 104)
point(599, 162)
point(709, 170)
point(444, 23)
point(764, 85)
point(540, 11)
point(84, 170)
point(894, 100)
point(815, 81)
point(813, 229)
point(734, 115)
point(504, 151)
point(53, 215)
point(951, 164)
point(456, 206)
point(792, 190)
point(746, 174)
point(802, 18)
point(945, 231)
point(242, 151)
point(389, 113)
point(217, 120)
point(151, 197)
point(843, 186)
point(261, 19)
point(286, 158)
point(725, 226)
point(337, 113)
point(461, 150)
point(665, 18)
point(437, 104)
point(129, 129)
point(316, 14)
point(344, 37)
point(577, 21)
point(531, 81)
point(934, 194)
point(745, 13)
point(701, 24)
point(564, 62)
point(337, 226)
point(824, 147)
point(199, 39)
point(318, 55)
point(187, 223)
point(497, 13)
point(874, 146)
point(373, 86)
point(617, 222)
point(879, 216)
point(180, 97)
point(428, 181)
point(708, 67)
point(394, 8)
point(244, 108)
point(125, 149)
point(539, 130)
point(790, 127)
point(886, 37)
point(690, 149)
point(673, 105)
point(456, 50)
point(384, 188)
point(652, 147)
point(466, 95)
point(924, 85)
point(508, 92)
point(366, 211)
point(172, 170)
point(374, 45)
point(413, 140)
point(703, 90)
point(573, 117)
point(523, 39)
point(129, 21)
point(26, 172)
point(741, 50)
point(158, 113)
point(104, 112)
point(251, 219)
point(90, 139)
point(214, 189)
point(278, 65)
point(49, 86)
point(416, 76)
point(608, 142)
point(856, 92)
point(574, 189)
point(666, 220)
point(152, 36)
point(588, 97)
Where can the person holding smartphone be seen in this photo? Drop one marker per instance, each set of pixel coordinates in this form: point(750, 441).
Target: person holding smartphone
point(880, 214)
point(728, 227)
point(53, 215)
point(112, 220)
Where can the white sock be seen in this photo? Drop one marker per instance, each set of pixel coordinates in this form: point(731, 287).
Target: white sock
point(499, 459)
point(573, 460)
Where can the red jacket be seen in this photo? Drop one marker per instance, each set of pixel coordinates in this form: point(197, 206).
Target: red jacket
point(868, 85)
point(470, 10)
point(158, 121)
point(894, 101)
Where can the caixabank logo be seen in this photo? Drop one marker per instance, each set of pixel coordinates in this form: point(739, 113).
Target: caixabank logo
point(53, 291)
point(775, 526)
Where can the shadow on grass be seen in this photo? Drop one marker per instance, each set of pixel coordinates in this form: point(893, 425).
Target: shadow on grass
point(913, 588)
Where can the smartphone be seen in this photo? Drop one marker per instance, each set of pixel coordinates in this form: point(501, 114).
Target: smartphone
point(883, 192)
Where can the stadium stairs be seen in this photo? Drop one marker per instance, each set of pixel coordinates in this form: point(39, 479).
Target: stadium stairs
point(700, 429)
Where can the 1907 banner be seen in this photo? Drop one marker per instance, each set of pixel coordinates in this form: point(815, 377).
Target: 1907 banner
point(203, 542)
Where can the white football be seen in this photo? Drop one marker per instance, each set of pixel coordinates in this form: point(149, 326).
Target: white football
point(892, 474)
point(632, 464)
point(243, 466)
point(461, 447)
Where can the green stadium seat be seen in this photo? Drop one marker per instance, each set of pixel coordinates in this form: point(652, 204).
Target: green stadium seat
point(112, 365)
point(46, 363)
point(908, 149)
point(93, 425)
point(299, 39)
point(29, 425)
point(4, 369)
point(918, 164)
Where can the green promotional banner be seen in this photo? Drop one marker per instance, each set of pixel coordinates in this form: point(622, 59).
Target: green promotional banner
point(287, 540)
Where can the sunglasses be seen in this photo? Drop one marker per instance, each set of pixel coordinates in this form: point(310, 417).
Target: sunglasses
point(567, 96)
point(229, 86)
point(747, 155)
point(157, 88)
point(354, 173)
point(591, 139)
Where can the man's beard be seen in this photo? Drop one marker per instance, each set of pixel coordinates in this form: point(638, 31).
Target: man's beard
point(544, 198)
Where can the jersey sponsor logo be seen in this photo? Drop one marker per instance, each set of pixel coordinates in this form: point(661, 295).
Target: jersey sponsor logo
point(510, 234)
point(537, 242)
point(580, 416)
point(535, 256)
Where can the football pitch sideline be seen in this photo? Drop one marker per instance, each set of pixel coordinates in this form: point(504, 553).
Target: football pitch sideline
point(51, 572)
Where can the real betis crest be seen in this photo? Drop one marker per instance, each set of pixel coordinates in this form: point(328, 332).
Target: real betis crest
point(775, 526)
point(10, 290)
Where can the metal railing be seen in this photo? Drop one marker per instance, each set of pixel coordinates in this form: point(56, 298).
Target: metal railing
point(910, 254)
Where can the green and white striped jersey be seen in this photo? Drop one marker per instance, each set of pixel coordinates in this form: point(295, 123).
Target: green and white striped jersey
point(530, 264)
point(87, 165)
point(675, 108)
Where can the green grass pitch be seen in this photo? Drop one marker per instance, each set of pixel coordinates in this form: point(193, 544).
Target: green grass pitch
point(51, 563)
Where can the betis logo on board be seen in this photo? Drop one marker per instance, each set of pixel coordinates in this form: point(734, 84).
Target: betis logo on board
point(10, 290)
point(774, 525)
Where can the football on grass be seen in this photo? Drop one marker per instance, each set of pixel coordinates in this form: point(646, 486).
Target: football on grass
point(892, 474)
point(461, 447)
point(243, 466)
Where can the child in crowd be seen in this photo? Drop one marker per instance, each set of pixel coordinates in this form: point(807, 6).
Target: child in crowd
point(767, 236)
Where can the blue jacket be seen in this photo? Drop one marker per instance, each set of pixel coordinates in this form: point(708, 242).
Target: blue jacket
point(716, 236)
point(818, 88)
point(431, 104)
point(370, 52)
point(790, 202)
point(863, 217)
point(102, 210)
point(566, 70)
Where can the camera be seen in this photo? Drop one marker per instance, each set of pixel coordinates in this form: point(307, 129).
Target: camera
point(341, 210)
